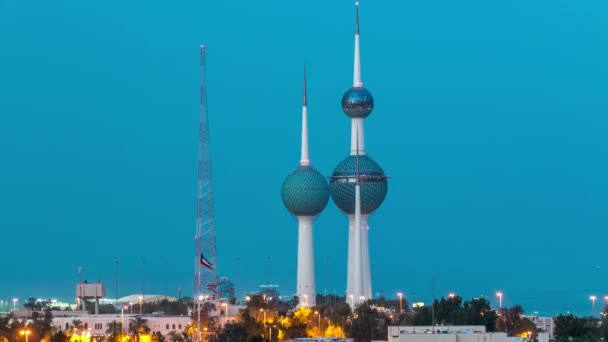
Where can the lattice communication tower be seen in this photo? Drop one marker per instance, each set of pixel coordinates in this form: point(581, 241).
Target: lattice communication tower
point(205, 278)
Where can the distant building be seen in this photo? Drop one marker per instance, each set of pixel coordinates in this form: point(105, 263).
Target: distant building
point(543, 324)
point(454, 333)
point(97, 325)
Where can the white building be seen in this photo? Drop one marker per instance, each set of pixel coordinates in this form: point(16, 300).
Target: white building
point(97, 325)
point(473, 333)
point(543, 324)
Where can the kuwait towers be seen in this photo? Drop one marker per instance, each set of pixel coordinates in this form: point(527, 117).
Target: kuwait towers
point(305, 194)
point(358, 184)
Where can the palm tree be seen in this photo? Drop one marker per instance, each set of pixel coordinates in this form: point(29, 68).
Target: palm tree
point(77, 324)
point(138, 325)
point(114, 328)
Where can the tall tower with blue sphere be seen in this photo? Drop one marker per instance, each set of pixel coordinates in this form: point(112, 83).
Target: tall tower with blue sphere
point(358, 184)
point(305, 194)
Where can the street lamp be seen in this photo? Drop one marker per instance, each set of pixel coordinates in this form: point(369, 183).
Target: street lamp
point(26, 332)
point(122, 319)
point(140, 300)
point(400, 302)
point(200, 299)
point(319, 314)
point(352, 302)
point(131, 308)
point(451, 295)
point(15, 303)
point(593, 298)
point(499, 295)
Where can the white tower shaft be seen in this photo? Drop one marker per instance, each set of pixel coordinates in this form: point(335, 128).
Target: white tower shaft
point(357, 134)
point(364, 262)
point(306, 263)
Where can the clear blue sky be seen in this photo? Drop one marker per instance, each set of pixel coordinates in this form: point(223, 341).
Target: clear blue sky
point(490, 117)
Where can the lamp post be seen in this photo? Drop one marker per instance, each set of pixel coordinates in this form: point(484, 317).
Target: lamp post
point(26, 332)
point(319, 314)
point(400, 302)
point(122, 319)
point(15, 303)
point(592, 298)
point(131, 308)
point(352, 302)
point(451, 295)
point(198, 327)
point(499, 295)
point(141, 298)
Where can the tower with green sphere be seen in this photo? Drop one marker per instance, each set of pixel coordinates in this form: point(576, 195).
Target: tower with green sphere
point(305, 194)
point(358, 170)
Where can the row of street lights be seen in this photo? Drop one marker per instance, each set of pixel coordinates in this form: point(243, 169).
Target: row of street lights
point(593, 298)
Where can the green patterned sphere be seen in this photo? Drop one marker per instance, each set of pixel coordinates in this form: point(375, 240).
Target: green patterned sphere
point(371, 177)
point(305, 191)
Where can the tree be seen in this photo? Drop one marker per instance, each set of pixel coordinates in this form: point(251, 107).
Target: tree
point(233, 332)
point(42, 324)
point(76, 324)
point(59, 336)
point(365, 322)
point(114, 328)
point(138, 325)
point(572, 327)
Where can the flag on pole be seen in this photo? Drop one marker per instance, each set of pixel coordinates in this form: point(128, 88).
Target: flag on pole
point(206, 262)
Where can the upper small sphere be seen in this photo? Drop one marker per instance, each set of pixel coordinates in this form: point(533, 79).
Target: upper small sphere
point(305, 192)
point(357, 102)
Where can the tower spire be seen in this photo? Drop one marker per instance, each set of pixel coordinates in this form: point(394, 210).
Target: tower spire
point(304, 158)
point(357, 63)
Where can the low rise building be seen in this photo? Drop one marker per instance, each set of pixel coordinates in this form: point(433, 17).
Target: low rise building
point(471, 333)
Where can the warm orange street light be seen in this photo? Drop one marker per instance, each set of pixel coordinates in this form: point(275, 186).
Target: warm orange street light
point(26, 333)
point(319, 314)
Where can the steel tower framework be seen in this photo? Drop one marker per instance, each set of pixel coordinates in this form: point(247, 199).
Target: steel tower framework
point(205, 279)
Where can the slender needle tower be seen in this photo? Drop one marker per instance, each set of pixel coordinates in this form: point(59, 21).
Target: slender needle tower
point(358, 168)
point(305, 194)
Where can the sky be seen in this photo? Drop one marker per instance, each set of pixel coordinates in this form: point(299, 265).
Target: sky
point(490, 118)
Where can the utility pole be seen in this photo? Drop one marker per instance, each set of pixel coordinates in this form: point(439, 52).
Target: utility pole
point(116, 280)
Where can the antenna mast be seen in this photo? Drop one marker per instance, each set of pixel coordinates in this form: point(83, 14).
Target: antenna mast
point(205, 278)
